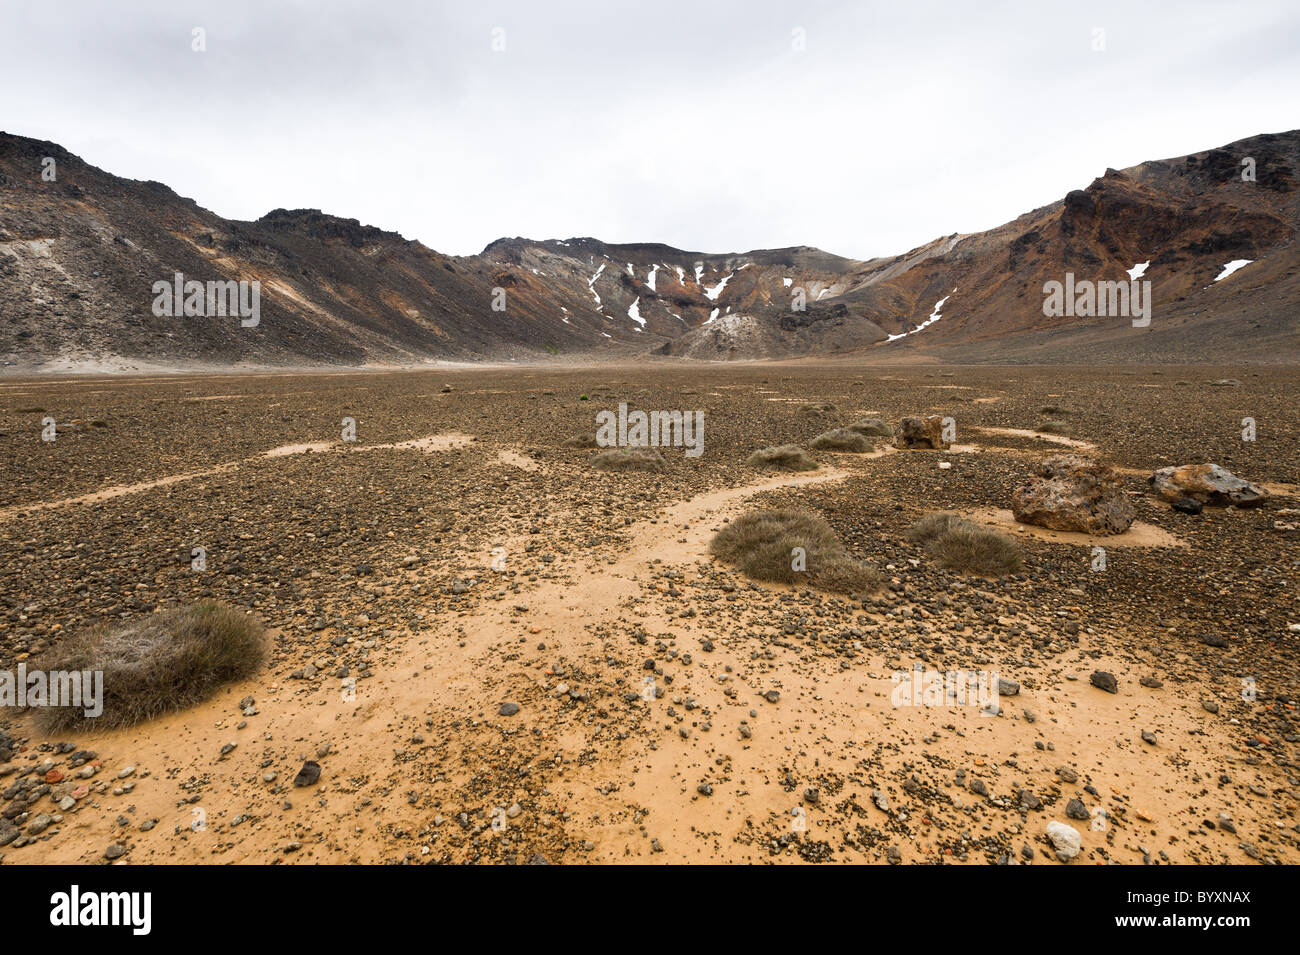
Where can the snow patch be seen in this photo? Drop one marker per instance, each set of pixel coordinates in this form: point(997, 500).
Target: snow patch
point(634, 313)
point(650, 279)
point(1138, 271)
point(1232, 267)
point(712, 293)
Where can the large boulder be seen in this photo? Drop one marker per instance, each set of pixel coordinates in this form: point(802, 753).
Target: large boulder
point(1070, 493)
point(1207, 483)
point(924, 432)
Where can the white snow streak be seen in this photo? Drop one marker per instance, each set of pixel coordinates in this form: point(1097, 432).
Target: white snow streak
point(934, 317)
point(1232, 267)
point(591, 283)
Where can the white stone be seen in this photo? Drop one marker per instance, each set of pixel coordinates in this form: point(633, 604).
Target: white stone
point(1065, 839)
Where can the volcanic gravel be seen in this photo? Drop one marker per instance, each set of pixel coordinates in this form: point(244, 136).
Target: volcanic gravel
point(368, 561)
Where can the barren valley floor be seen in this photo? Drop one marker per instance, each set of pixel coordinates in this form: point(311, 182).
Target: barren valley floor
point(458, 556)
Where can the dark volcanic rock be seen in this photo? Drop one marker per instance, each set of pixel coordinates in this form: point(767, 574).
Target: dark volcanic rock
point(1104, 681)
point(1206, 483)
point(308, 775)
point(1070, 493)
point(918, 432)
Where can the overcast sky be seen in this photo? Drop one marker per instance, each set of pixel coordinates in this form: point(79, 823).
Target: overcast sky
point(862, 128)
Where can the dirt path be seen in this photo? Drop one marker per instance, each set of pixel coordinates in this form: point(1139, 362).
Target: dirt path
point(428, 444)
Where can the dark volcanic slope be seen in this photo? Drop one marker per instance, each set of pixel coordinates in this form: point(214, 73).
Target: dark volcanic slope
point(1187, 217)
point(79, 256)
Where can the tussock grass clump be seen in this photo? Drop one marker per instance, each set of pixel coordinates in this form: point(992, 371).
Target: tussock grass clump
point(630, 459)
point(842, 439)
point(581, 441)
point(846, 576)
point(872, 427)
point(819, 408)
point(785, 457)
point(1053, 409)
point(157, 663)
point(761, 544)
point(1053, 427)
point(933, 525)
point(964, 546)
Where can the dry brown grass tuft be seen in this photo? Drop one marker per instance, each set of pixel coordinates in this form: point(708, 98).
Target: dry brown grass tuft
point(842, 439)
point(630, 459)
point(963, 546)
point(1053, 427)
point(157, 663)
point(785, 457)
point(762, 545)
point(581, 441)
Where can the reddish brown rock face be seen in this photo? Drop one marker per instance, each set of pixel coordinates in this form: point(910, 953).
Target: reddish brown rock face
point(1070, 493)
point(1207, 483)
point(924, 432)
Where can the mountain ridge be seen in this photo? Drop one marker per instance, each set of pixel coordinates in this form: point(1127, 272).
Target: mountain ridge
point(78, 256)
